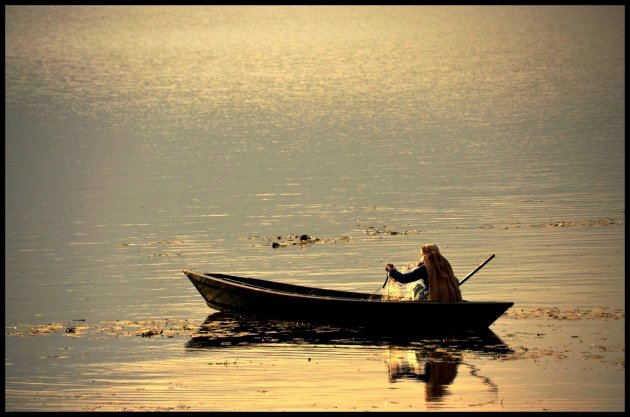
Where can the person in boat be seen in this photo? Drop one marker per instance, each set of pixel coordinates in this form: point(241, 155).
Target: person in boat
point(436, 274)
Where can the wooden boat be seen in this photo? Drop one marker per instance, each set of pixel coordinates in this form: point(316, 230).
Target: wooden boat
point(281, 301)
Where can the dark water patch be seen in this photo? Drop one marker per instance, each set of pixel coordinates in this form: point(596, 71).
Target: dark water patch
point(222, 329)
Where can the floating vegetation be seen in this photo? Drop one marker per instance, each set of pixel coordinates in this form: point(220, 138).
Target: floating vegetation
point(601, 313)
point(46, 328)
point(283, 241)
point(118, 328)
point(386, 230)
point(280, 241)
point(612, 355)
point(522, 352)
point(163, 254)
point(152, 332)
point(76, 330)
point(180, 327)
point(367, 208)
point(159, 242)
point(606, 221)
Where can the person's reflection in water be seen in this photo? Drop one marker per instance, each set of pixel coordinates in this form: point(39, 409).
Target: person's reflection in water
point(437, 369)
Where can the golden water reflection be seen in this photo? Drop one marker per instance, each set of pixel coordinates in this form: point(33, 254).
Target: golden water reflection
point(432, 360)
point(437, 370)
point(227, 363)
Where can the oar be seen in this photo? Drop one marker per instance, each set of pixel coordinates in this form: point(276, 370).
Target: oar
point(386, 278)
point(374, 293)
point(476, 269)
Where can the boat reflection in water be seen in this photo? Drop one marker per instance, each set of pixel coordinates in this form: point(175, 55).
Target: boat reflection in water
point(432, 359)
point(225, 329)
point(436, 369)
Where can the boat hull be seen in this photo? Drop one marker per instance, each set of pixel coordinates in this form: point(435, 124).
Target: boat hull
point(279, 301)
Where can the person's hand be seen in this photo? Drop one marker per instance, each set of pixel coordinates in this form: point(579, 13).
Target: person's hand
point(389, 267)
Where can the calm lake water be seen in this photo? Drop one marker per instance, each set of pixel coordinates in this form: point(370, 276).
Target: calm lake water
point(144, 140)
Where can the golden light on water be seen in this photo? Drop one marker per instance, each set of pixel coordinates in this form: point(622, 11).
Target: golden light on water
point(144, 140)
point(196, 62)
point(346, 379)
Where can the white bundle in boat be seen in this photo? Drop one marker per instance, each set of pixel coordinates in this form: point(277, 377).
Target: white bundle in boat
point(396, 291)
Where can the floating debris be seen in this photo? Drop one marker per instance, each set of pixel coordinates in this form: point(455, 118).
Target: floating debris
point(46, 328)
point(289, 240)
point(385, 230)
point(119, 328)
point(606, 221)
point(178, 327)
point(152, 332)
point(280, 241)
point(602, 313)
point(159, 242)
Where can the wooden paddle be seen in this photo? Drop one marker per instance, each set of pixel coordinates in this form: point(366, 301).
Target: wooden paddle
point(476, 269)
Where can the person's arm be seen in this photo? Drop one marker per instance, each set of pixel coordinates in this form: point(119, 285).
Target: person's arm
point(407, 277)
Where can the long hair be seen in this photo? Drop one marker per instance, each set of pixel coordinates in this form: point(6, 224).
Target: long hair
point(443, 286)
